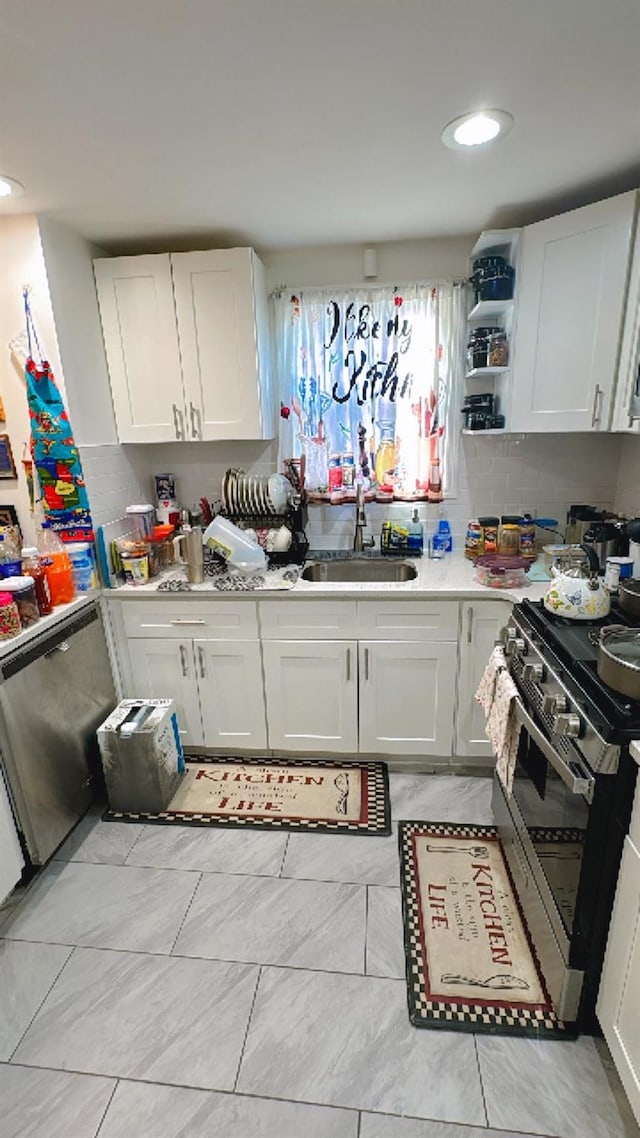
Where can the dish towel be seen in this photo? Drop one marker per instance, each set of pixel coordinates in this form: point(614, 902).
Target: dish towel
point(497, 695)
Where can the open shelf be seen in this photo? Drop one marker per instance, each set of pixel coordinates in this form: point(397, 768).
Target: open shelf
point(488, 431)
point(494, 239)
point(482, 372)
point(489, 309)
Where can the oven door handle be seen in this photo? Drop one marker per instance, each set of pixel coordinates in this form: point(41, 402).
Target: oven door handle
point(575, 777)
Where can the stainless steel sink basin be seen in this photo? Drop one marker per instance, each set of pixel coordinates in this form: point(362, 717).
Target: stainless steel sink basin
point(365, 569)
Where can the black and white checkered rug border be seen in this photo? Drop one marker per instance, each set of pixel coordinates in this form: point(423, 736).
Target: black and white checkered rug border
point(456, 1015)
point(378, 822)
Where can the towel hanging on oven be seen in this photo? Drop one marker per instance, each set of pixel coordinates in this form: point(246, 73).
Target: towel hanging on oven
point(496, 695)
point(55, 454)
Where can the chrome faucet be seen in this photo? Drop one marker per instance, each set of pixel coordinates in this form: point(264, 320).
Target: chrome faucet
point(361, 543)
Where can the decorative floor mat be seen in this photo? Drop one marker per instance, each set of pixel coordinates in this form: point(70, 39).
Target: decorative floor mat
point(317, 795)
point(469, 958)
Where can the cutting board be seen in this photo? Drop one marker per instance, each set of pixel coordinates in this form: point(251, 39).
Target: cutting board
point(106, 536)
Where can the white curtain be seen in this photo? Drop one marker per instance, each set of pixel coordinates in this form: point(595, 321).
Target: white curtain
point(373, 373)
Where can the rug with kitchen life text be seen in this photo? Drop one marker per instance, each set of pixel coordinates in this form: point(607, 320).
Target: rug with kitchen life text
point(314, 795)
point(470, 962)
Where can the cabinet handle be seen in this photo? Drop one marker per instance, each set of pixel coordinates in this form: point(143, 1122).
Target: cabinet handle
point(348, 665)
point(469, 624)
point(195, 416)
point(177, 422)
point(598, 396)
point(201, 659)
point(199, 414)
point(187, 620)
point(366, 665)
point(183, 660)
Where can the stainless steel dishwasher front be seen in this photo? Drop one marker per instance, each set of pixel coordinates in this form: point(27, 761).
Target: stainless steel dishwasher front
point(54, 694)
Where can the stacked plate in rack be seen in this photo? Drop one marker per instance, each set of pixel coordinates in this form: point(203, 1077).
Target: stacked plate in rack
point(247, 494)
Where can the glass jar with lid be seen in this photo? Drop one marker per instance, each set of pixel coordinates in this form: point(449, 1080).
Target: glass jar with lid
point(498, 351)
point(509, 535)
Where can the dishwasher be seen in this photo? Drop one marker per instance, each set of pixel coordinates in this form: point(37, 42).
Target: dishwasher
point(54, 694)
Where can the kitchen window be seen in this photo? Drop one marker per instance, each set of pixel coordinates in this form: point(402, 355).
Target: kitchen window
point(370, 382)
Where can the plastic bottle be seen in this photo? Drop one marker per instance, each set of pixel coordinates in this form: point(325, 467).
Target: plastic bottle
point(32, 567)
point(442, 539)
point(415, 543)
point(81, 558)
point(10, 564)
point(57, 566)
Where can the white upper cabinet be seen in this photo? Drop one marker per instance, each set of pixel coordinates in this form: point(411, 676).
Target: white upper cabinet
point(139, 328)
point(626, 413)
point(186, 338)
point(225, 366)
point(571, 291)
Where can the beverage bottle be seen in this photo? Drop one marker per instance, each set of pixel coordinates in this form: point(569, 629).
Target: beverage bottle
point(9, 556)
point(57, 566)
point(32, 567)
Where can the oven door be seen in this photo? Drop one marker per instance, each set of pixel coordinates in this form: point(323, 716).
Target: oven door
point(552, 791)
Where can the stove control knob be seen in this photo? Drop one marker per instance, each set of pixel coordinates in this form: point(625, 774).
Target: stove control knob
point(507, 634)
point(567, 724)
point(518, 645)
point(533, 673)
point(553, 704)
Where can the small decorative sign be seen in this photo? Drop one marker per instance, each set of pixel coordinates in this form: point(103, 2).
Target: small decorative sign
point(7, 465)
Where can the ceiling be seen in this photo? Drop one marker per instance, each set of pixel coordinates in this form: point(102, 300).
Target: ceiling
point(278, 123)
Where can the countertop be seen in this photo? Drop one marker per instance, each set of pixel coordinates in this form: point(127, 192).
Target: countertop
point(453, 578)
point(47, 623)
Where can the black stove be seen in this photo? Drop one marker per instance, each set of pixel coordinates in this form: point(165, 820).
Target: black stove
point(573, 646)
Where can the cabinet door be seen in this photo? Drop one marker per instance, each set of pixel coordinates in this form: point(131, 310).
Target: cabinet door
point(11, 858)
point(214, 294)
point(626, 415)
point(141, 343)
point(406, 697)
point(311, 690)
point(165, 669)
point(231, 693)
point(480, 626)
point(620, 985)
point(571, 290)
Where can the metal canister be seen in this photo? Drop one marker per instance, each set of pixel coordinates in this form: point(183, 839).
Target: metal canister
point(612, 575)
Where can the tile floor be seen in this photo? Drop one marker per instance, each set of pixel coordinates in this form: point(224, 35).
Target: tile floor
point(170, 983)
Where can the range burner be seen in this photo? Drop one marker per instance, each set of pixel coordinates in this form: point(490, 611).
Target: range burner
point(574, 645)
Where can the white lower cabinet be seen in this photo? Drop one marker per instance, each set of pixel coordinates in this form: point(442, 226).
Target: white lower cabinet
point(619, 995)
point(479, 628)
point(311, 690)
point(165, 669)
point(11, 857)
point(407, 697)
point(231, 697)
point(217, 686)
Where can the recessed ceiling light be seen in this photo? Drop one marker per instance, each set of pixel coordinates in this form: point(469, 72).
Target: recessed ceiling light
point(9, 188)
point(476, 128)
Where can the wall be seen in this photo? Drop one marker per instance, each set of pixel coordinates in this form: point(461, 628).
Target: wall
point(68, 258)
point(398, 263)
point(22, 263)
point(627, 495)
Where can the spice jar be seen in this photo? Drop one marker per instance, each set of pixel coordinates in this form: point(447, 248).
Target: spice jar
point(498, 354)
point(489, 533)
point(478, 347)
point(509, 536)
point(528, 537)
point(23, 592)
point(9, 617)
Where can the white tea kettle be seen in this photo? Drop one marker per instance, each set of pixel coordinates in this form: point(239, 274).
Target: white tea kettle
point(577, 592)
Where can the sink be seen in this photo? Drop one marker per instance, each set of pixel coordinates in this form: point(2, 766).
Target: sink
point(365, 569)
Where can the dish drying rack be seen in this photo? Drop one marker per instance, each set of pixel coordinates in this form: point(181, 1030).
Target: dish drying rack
point(294, 516)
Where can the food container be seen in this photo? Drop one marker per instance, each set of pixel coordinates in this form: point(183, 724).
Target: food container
point(498, 354)
point(23, 592)
point(231, 543)
point(498, 571)
point(478, 346)
point(493, 278)
point(473, 543)
point(82, 565)
point(144, 516)
point(490, 527)
point(564, 553)
point(509, 536)
point(528, 538)
point(9, 617)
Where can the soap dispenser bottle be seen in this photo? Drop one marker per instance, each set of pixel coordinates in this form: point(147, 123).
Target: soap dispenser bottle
point(415, 543)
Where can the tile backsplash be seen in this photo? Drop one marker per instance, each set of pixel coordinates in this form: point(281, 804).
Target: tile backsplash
point(540, 473)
